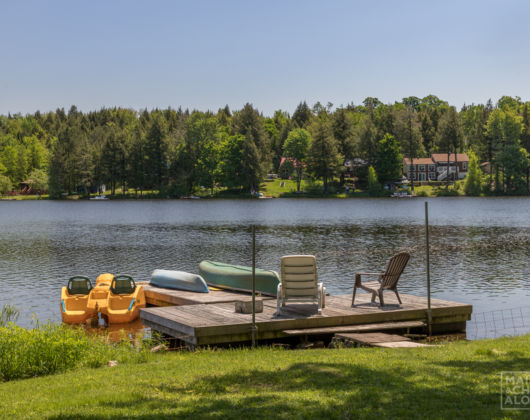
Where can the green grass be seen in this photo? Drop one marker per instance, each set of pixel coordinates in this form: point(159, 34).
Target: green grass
point(309, 188)
point(52, 348)
point(458, 380)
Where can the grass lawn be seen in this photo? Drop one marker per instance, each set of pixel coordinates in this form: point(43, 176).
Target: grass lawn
point(458, 380)
point(309, 188)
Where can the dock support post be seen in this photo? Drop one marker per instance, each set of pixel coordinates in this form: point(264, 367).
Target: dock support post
point(427, 251)
point(253, 326)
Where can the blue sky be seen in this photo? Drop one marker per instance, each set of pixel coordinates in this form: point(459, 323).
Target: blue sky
point(205, 54)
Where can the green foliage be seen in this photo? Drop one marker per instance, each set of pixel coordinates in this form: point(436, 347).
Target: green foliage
point(450, 132)
point(409, 132)
point(302, 115)
point(255, 148)
point(5, 184)
point(514, 159)
point(53, 348)
point(324, 158)
point(473, 181)
point(296, 147)
point(366, 133)
point(231, 157)
point(343, 131)
point(374, 187)
point(39, 180)
point(175, 152)
point(389, 161)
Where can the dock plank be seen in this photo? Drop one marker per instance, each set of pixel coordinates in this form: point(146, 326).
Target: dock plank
point(379, 339)
point(372, 337)
point(401, 344)
point(357, 328)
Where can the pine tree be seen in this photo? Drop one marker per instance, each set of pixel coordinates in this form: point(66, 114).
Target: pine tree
point(450, 136)
point(409, 135)
point(324, 157)
point(302, 115)
point(255, 151)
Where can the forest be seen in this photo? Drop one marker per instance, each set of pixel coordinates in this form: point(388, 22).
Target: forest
point(177, 152)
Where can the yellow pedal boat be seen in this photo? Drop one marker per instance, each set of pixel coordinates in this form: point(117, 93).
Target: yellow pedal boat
point(117, 298)
point(125, 300)
point(75, 308)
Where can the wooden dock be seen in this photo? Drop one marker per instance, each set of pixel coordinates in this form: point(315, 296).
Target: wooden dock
point(210, 318)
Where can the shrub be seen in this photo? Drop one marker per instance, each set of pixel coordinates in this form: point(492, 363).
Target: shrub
point(473, 182)
point(5, 184)
point(52, 348)
point(374, 187)
point(447, 193)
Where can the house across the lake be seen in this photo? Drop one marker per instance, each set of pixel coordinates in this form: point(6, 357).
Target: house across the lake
point(437, 167)
point(287, 166)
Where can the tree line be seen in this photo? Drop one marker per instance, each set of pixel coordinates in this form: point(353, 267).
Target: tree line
point(176, 152)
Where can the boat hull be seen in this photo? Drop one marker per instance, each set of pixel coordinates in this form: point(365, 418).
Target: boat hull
point(75, 309)
point(179, 280)
point(122, 309)
point(237, 277)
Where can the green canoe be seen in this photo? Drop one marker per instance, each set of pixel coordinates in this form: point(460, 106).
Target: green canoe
point(237, 277)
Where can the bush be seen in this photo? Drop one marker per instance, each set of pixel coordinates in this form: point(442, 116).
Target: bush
point(39, 180)
point(5, 184)
point(473, 182)
point(52, 348)
point(447, 193)
point(374, 187)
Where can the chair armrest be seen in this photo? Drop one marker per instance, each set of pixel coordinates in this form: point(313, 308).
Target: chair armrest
point(359, 274)
point(279, 291)
point(322, 293)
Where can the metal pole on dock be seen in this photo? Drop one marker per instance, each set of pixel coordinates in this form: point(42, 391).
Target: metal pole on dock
point(427, 252)
point(253, 326)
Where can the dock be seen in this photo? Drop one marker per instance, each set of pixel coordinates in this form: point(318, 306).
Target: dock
point(199, 319)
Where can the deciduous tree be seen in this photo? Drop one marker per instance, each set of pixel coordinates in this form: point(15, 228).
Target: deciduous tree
point(296, 148)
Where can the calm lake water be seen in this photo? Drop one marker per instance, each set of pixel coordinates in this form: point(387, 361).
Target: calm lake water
point(480, 247)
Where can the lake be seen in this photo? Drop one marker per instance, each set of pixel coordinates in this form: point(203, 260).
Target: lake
point(480, 247)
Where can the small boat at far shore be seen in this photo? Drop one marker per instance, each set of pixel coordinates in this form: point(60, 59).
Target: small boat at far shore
point(237, 277)
point(99, 197)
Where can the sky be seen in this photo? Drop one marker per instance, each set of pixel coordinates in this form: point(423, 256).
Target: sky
point(203, 55)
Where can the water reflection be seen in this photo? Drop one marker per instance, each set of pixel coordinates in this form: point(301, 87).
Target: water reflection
point(479, 248)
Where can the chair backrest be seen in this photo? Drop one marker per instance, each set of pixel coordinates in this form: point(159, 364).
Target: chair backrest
point(79, 285)
point(299, 275)
point(122, 285)
point(393, 271)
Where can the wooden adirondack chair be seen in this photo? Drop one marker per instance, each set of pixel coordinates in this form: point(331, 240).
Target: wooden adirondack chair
point(387, 280)
point(299, 281)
